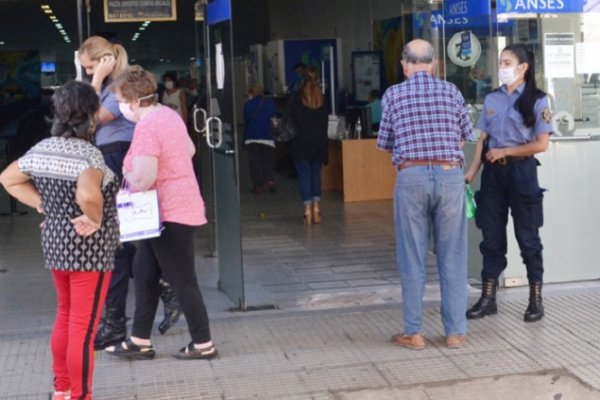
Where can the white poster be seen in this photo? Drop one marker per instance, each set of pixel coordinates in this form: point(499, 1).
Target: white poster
point(559, 55)
point(588, 58)
point(220, 66)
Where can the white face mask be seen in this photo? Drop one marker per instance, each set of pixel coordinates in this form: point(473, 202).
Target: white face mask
point(169, 85)
point(507, 76)
point(127, 112)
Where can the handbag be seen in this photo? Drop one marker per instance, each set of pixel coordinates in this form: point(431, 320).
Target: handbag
point(284, 129)
point(471, 205)
point(138, 212)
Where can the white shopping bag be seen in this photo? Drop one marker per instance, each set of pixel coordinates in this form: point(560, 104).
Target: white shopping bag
point(138, 215)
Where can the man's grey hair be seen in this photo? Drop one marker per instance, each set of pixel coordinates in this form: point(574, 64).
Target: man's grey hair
point(411, 57)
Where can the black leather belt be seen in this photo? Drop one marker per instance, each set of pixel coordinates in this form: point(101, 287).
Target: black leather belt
point(114, 147)
point(510, 159)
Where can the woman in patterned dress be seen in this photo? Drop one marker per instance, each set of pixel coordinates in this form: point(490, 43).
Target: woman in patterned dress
point(65, 178)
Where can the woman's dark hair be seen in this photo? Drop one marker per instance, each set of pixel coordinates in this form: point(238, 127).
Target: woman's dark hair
point(172, 75)
point(525, 104)
point(75, 107)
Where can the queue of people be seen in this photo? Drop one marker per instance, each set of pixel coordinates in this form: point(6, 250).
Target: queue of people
point(424, 124)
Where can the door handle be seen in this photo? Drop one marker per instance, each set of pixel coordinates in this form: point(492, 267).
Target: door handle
point(210, 138)
point(198, 110)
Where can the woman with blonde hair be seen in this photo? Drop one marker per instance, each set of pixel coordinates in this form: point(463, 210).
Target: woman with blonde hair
point(310, 146)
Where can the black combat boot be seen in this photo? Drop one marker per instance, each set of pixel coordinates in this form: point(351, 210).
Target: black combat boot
point(171, 306)
point(486, 305)
point(535, 309)
point(112, 329)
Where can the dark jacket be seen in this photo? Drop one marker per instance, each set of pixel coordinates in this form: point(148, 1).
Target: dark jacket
point(257, 118)
point(311, 142)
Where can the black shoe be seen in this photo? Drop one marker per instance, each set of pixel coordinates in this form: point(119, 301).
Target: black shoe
point(535, 308)
point(128, 349)
point(171, 306)
point(112, 329)
point(189, 352)
point(486, 305)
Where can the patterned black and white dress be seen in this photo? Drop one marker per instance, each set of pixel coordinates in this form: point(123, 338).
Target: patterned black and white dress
point(54, 165)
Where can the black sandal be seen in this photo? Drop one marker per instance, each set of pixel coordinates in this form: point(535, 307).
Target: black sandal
point(190, 352)
point(132, 351)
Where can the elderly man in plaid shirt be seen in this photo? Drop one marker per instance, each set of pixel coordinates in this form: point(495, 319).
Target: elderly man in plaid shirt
point(424, 124)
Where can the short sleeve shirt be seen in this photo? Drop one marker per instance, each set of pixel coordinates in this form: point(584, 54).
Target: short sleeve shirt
point(163, 134)
point(504, 124)
point(54, 165)
point(424, 118)
point(119, 129)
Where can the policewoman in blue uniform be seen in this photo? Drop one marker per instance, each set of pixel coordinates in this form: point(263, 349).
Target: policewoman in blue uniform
point(515, 125)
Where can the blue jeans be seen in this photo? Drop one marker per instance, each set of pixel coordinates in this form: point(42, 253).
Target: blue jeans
point(309, 179)
point(432, 196)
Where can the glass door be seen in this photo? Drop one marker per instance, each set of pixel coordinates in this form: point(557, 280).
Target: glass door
point(216, 121)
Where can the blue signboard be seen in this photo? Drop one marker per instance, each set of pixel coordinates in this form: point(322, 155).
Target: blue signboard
point(218, 11)
point(438, 21)
point(466, 9)
point(540, 6)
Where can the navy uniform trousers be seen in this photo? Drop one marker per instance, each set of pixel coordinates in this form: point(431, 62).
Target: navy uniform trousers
point(119, 283)
point(513, 185)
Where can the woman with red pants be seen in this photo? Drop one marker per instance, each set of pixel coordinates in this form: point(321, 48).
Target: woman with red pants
point(65, 178)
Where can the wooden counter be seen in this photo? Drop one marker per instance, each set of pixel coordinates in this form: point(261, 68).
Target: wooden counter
point(360, 170)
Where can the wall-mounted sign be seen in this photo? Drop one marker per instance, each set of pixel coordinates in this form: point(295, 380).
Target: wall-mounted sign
point(464, 49)
point(559, 55)
point(539, 6)
point(139, 10)
point(464, 9)
point(218, 11)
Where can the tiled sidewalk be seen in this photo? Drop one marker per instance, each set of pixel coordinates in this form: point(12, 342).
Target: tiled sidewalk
point(317, 354)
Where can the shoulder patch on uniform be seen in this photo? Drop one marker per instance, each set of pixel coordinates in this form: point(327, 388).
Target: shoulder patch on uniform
point(491, 111)
point(547, 115)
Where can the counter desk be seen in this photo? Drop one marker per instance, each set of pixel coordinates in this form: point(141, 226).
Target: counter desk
point(359, 170)
point(570, 234)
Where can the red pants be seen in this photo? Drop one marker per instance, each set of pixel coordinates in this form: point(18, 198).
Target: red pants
point(80, 298)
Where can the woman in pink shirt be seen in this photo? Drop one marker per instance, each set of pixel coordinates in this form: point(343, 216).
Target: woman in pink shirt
point(160, 157)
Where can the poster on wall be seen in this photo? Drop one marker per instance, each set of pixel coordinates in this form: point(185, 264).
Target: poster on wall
point(588, 58)
point(388, 39)
point(311, 53)
point(559, 55)
point(366, 74)
point(464, 49)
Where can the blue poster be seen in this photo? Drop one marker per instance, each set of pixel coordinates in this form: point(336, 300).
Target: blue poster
point(540, 6)
point(218, 11)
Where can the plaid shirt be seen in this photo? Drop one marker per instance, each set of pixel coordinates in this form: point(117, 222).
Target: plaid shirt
point(424, 118)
